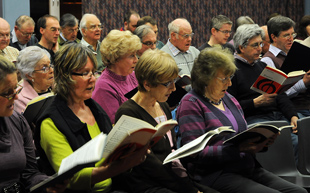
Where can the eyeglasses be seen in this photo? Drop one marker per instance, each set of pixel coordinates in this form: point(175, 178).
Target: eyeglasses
point(54, 29)
point(187, 35)
point(94, 27)
point(224, 32)
point(2, 36)
point(168, 84)
point(225, 80)
point(73, 30)
point(45, 69)
point(288, 36)
point(86, 75)
point(25, 34)
point(149, 43)
point(256, 45)
point(10, 95)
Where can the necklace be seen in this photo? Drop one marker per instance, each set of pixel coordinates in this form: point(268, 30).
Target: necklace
point(212, 102)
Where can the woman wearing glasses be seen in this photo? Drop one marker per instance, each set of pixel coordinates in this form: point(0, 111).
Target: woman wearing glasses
point(74, 118)
point(118, 51)
point(18, 171)
point(228, 168)
point(34, 66)
point(155, 72)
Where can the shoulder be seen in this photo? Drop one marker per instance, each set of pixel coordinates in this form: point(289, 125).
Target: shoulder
point(165, 48)
point(194, 50)
point(203, 46)
point(19, 122)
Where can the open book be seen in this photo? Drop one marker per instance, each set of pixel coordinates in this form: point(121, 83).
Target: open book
point(128, 131)
point(273, 80)
point(197, 145)
point(297, 58)
point(262, 130)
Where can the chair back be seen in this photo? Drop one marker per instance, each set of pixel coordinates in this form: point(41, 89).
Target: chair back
point(303, 126)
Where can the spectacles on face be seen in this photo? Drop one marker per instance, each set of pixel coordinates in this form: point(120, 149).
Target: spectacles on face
point(149, 43)
point(225, 80)
point(73, 30)
point(168, 84)
point(288, 36)
point(25, 34)
point(187, 35)
point(224, 32)
point(11, 94)
point(94, 27)
point(86, 75)
point(45, 69)
point(54, 29)
point(2, 36)
point(257, 45)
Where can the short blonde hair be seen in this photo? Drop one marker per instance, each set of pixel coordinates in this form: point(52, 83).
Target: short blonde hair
point(155, 67)
point(117, 44)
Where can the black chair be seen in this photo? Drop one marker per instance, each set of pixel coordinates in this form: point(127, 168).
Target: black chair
point(279, 158)
point(304, 145)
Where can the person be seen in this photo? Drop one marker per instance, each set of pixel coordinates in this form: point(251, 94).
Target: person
point(179, 45)
point(281, 33)
point(148, 20)
point(37, 73)
point(266, 40)
point(130, 21)
point(119, 50)
point(147, 38)
point(303, 28)
point(69, 27)
point(49, 28)
point(5, 50)
point(258, 107)
point(22, 33)
point(240, 21)
point(155, 72)
point(74, 118)
point(19, 170)
point(220, 28)
point(226, 168)
point(91, 28)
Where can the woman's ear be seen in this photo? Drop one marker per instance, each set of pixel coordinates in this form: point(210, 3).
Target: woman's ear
point(146, 86)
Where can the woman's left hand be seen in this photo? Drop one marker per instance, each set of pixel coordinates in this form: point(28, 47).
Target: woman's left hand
point(294, 123)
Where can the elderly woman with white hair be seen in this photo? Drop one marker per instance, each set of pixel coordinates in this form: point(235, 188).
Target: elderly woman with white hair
point(37, 73)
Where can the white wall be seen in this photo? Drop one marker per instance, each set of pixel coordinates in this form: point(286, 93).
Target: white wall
point(12, 9)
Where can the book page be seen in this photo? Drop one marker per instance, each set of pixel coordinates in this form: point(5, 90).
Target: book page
point(196, 145)
point(90, 152)
point(162, 129)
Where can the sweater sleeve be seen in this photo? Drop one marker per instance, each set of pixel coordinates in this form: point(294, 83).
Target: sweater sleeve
point(195, 120)
point(56, 148)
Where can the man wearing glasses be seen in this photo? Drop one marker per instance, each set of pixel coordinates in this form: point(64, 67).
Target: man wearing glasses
point(147, 37)
point(49, 28)
point(22, 35)
point(281, 33)
point(5, 50)
point(179, 45)
point(220, 29)
point(69, 27)
point(91, 28)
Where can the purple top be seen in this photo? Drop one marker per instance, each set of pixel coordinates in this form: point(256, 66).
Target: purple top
point(110, 91)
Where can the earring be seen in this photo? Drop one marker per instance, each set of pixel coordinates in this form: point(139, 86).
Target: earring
point(32, 80)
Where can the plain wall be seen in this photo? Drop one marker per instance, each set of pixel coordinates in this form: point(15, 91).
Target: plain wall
point(12, 9)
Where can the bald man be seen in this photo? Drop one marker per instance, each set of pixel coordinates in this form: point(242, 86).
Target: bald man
point(179, 45)
point(266, 40)
point(6, 50)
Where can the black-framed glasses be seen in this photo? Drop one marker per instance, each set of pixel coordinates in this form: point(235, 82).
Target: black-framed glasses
point(288, 36)
point(86, 75)
point(224, 32)
point(11, 94)
point(227, 79)
point(187, 35)
point(149, 43)
point(257, 45)
point(168, 84)
point(45, 69)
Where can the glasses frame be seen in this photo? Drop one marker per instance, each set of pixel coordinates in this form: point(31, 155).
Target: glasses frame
point(149, 43)
point(94, 27)
point(86, 76)
point(186, 35)
point(224, 32)
point(45, 69)
point(288, 36)
point(5, 35)
point(168, 84)
point(11, 96)
point(257, 46)
point(227, 79)
point(25, 34)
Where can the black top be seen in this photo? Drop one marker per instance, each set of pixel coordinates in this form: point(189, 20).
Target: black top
point(32, 42)
point(52, 53)
point(227, 45)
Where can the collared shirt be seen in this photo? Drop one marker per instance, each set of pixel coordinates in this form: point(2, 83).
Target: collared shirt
point(10, 53)
point(14, 40)
point(96, 52)
point(62, 36)
point(243, 59)
point(299, 86)
point(175, 51)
